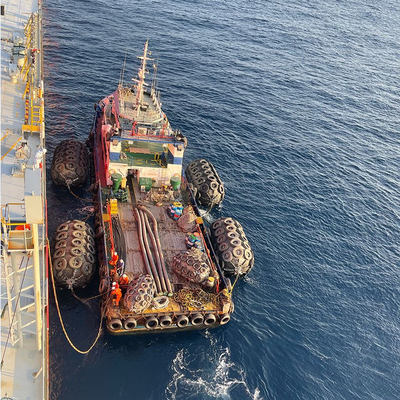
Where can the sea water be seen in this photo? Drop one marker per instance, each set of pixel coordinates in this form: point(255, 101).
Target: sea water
point(296, 103)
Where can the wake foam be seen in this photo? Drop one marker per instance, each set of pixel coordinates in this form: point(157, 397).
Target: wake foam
point(213, 376)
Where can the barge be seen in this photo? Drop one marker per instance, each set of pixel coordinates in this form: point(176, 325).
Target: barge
point(159, 270)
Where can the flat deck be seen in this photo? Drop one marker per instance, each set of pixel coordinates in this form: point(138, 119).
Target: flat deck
point(24, 369)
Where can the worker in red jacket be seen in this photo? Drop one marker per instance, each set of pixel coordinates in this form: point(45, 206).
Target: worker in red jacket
point(116, 294)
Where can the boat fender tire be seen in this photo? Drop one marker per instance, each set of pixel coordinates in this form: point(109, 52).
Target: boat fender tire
point(62, 235)
point(197, 319)
point(165, 321)
point(60, 264)
point(114, 324)
point(130, 324)
point(87, 268)
point(59, 253)
point(104, 285)
point(77, 251)
point(224, 319)
point(209, 319)
point(75, 262)
point(151, 322)
point(182, 321)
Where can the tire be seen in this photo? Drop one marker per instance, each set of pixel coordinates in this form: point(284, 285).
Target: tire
point(59, 253)
point(217, 224)
point(60, 168)
point(151, 323)
point(209, 319)
point(60, 244)
point(75, 262)
point(223, 247)
point(63, 227)
point(219, 231)
point(79, 234)
point(114, 324)
point(182, 321)
point(90, 257)
point(227, 256)
point(77, 251)
point(197, 319)
point(224, 319)
point(78, 242)
point(60, 264)
point(80, 226)
point(62, 235)
point(87, 268)
point(221, 239)
point(70, 166)
point(130, 324)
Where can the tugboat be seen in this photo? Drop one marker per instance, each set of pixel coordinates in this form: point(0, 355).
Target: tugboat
point(161, 267)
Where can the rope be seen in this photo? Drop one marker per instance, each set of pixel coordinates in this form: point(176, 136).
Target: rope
point(81, 299)
point(61, 320)
point(234, 283)
point(15, 311)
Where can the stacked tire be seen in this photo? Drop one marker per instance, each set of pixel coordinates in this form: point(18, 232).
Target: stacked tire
point(70, 166)
point(209, 190)
point(192, 265)
point(140, 294)
point(232, 246)
point(73, 254)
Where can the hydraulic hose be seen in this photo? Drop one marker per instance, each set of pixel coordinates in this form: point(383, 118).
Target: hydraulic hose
point(148, 253)
point(157, 255)
point(157, 237)
point(140, 232)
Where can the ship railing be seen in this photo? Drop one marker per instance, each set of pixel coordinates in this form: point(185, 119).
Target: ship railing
point(17, 234)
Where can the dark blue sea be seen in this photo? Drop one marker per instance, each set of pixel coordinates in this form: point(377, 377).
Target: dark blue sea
point(296, 103)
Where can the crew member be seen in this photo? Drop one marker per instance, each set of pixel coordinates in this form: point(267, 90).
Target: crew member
point(114, 259)
point(116, 294)
point(123, 280)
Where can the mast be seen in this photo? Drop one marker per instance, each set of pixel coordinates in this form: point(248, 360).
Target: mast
point(141, 75)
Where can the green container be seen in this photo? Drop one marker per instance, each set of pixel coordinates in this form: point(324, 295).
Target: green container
point(146, 182)
point(116, 180)
point(175, 182)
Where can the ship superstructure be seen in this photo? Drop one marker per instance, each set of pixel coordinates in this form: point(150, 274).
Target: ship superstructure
point(23, 205)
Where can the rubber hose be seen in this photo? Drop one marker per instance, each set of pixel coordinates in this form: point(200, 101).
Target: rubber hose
point(157, 254)
point(168, 282)
point(145, 260)
point(148, 253)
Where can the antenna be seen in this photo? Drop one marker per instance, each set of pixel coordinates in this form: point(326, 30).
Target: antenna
point(122, 74)
point(155, 70)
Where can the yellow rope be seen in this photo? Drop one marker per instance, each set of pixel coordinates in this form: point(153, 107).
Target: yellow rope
point(61, 320)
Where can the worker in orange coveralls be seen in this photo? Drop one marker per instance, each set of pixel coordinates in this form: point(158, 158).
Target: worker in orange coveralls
point(124, 280)
point(114, 259)
point(116, 294)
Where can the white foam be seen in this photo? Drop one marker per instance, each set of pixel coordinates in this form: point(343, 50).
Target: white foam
point(218, 378)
